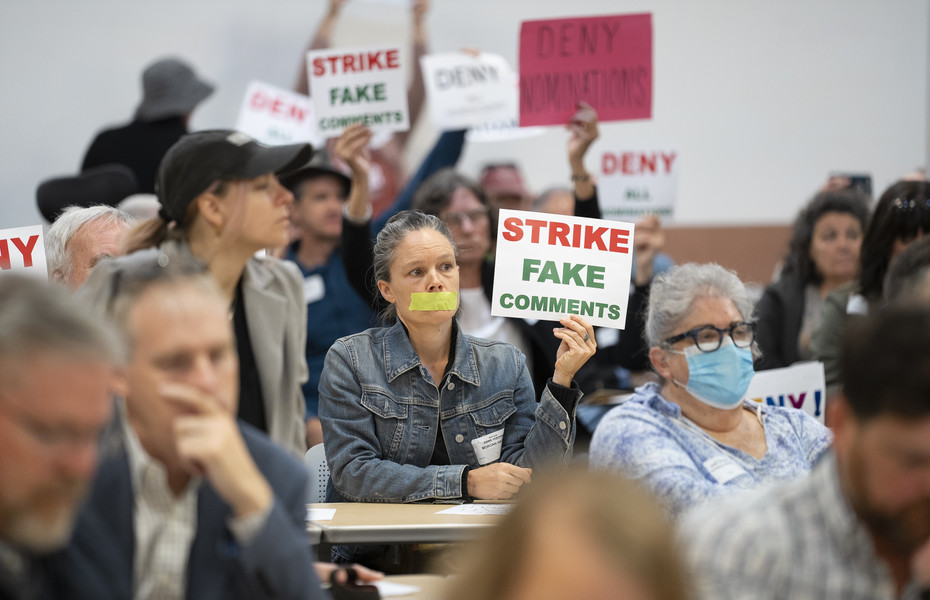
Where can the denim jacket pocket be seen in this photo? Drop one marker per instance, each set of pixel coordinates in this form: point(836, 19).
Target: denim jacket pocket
point(493, 416)
point(390, 421)
point(383, 404)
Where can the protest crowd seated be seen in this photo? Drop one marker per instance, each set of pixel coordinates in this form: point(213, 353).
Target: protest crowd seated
point(156, 397)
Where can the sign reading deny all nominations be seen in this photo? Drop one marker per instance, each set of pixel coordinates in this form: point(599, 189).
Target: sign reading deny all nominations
point(466, 90)
point(358, 85)
point(22, 250)
point(273, 115)
point(548, 266)
point(634, 183)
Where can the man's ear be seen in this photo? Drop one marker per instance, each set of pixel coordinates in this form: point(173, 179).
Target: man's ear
point(842, 421)
point(385, 288)
point(659, 359)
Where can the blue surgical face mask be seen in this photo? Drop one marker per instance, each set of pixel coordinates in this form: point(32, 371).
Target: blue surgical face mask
point(719, 378)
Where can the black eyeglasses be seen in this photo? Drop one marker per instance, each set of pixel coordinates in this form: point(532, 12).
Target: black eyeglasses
point(708, 338)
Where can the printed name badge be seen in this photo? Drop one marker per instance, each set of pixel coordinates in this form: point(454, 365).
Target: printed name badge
point(723, 469)
point(488, 447)
point(313, 288)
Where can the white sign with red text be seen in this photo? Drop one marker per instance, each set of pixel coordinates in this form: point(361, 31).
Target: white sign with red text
point(802, 386)
point(22, 250)
point(633, 183)
point(274, 115)
point(548, 266)
point(358, 85)
point(466, 90)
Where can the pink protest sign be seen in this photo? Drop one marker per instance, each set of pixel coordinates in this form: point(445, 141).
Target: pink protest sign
point(605, 61)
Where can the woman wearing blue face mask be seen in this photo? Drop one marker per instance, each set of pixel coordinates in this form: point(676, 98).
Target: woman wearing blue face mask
point(693, 435)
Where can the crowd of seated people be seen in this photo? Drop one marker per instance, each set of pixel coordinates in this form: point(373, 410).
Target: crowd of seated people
point(157, 395)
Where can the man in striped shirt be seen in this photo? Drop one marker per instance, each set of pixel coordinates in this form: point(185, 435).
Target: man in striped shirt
point(859, 526)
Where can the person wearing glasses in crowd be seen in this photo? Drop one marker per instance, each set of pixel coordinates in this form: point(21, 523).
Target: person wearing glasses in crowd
point(693, 435)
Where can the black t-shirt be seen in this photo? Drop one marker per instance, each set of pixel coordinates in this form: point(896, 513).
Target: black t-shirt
point(251, 401)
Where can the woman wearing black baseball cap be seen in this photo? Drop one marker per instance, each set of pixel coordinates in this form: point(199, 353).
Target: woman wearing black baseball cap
point(221, 201)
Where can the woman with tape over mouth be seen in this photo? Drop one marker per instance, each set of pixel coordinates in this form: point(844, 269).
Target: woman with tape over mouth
point(419, 410)
point(694, 435)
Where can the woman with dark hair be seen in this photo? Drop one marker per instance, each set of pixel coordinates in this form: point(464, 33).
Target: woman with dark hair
point(419, 410)
point(901, 216)
point(823, 254)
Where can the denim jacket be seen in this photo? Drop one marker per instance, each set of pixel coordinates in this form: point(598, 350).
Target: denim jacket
point(380, 410)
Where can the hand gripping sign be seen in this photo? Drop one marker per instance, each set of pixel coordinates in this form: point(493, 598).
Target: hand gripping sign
point(548, 266)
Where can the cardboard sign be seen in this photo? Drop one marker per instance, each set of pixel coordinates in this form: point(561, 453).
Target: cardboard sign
point(605, 61)
point(22, 250)
point(633, 183)
point(274, 115)
point(358, 85)
point(465, 90)
point(548, 266)
point(799, 386)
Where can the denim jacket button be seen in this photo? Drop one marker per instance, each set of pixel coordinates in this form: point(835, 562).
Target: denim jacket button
point(461, 438)
point(562, 425)
point(451, 386)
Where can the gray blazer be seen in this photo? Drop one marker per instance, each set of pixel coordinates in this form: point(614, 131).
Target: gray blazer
point(272, 290)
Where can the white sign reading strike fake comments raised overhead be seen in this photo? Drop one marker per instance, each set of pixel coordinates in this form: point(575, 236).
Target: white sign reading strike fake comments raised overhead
point(549, 266)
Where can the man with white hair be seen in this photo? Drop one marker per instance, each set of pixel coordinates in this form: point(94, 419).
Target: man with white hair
point(80, 237)
point(56, 375)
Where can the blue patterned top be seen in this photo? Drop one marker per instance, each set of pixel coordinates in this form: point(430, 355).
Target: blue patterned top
point(648, 439)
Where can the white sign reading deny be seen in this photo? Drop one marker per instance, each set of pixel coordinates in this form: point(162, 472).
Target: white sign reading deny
point(466, 90)
point(358, 85)
point(274, 115)
point(22, 249)
point(634, 183)
point(799, 386)
point(548, 266)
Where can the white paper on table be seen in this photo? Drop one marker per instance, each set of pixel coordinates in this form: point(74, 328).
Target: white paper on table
point(320, 514)
point(477, 509)
point(389, 588)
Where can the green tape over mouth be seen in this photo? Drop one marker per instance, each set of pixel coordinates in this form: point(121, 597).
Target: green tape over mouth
point(434, 300)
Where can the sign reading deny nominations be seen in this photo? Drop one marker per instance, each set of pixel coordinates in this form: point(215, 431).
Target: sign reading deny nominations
point(548, 266)
point(358, 85)
point(605, 61)
point(273, 115)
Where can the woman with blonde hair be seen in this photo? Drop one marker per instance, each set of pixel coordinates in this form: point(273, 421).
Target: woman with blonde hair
point(576, 535)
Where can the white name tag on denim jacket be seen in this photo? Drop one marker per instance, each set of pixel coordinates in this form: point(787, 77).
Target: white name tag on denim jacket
point(314, 289)
point(488, 447)
point(723, 469)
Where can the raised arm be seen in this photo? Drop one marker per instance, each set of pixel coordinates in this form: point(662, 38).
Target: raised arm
point(322, 39)
point(583, 131)
point(416, 93)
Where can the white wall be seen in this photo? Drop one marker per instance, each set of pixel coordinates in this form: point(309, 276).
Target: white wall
point(762, 99)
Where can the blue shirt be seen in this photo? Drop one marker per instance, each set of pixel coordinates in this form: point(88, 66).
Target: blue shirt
point(335, 311)
point(649, 439)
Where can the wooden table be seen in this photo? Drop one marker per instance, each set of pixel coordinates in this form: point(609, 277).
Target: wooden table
point(374, 523)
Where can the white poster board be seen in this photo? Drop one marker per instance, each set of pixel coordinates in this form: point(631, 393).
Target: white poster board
point(22, 250)
point(799, 386)
point(633, 183)
point(274, 115)
point(466, 90)
point(358, 85)
point(548, 266)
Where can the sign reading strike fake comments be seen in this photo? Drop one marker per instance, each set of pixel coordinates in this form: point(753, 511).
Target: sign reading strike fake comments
point(548, 266)
point(358, 85)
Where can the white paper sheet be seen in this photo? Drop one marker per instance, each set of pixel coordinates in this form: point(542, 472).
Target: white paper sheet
point(388, 589)
point(320, 514)
point(477, 509)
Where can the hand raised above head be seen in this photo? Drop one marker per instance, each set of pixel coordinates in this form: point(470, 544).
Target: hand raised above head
point(352, 148)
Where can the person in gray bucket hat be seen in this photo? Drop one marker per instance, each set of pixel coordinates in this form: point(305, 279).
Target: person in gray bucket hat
point(221, 203)
point(171, 90)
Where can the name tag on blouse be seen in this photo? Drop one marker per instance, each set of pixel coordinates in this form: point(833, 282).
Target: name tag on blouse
point(723, 469)
point(488, 447)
